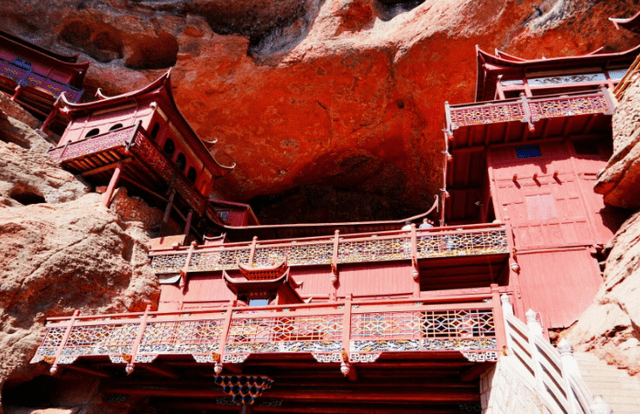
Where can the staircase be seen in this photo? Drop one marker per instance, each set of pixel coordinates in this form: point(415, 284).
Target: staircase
point(616, 387)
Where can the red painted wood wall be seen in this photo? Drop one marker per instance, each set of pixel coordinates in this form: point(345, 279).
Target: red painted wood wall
point(557, 220)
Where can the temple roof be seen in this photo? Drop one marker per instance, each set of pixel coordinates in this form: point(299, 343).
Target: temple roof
point(10, 41)
point(631, 23)
point(500, 63)
point(160, 89)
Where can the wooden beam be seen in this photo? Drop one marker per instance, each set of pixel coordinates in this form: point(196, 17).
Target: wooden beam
point(160, 370)
point(107, 167)
point(85, 370)
point(393, 394)
point(329, 409)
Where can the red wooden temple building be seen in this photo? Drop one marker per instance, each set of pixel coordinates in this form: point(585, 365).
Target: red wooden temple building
point(140, 140)
point(35, 77)
point(360, 317)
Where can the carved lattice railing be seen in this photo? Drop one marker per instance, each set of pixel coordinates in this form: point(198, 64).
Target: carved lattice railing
point(354, 248)
point(133, 139)
point(340, 332)
point(528, 110)
point(25, 77)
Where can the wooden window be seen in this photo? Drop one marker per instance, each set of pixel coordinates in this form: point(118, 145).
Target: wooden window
point(181, 161)
point(541, 207)
point(93, 132)
point(528, 151)
point(154, 131)
point(116, 126)
point(192, 175)
point(169, 147)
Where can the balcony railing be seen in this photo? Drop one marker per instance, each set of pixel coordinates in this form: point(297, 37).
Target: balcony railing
point(25, 77)
point(528, 110)
point(135, 139)
point(332, 332)
point(473, 240)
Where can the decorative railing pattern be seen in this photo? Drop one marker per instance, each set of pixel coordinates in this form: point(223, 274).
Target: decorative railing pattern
point(95, 144)
point(354, 248)
point(327, 330)
point(135, 138)
point(555, 375)
point(25, 77)
point(528, 110)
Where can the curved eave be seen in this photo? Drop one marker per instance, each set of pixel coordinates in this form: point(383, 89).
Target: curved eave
point(241, 286)
point(631, 23)
point(503, 62)
point(248, 269)
point(162, 88)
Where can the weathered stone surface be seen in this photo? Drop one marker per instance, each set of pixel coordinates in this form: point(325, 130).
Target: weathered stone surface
point(610, 327)
point(60, 250)
point(620, 179)
point(345, 95)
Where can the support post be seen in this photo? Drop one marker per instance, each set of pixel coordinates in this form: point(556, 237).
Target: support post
point(167, 210)
point(187, 226)
point(54, 366)
point(106, 197)
point(334, 258)
point(498, 318)
point(138, 340)
point(223, 335)
point(252, 253)
point(185, 270)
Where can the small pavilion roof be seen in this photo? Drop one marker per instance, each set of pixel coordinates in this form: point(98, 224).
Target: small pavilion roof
point(631, 23)
point(501, 63)
point(258, 288)
point(43, 55)
point(160, 89)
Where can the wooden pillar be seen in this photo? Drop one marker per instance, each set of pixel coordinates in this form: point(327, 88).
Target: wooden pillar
point(187, 227)
point(16, 93)
point(167, 210)
point(106, 197)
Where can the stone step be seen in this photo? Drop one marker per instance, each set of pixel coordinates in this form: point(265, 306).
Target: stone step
point(616, 387)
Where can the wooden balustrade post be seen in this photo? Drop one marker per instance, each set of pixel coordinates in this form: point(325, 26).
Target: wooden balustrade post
point(185, 269)
point(415, 269)
point(498, 317)
point(346, 324)
point(514, 267)
point(526, 109)
point(252, 253)
point(334, 258)
point(54, 366)
point(138, 340)
point(224, 333)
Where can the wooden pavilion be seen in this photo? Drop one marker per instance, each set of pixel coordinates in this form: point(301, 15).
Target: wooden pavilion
point(35, 77)
point(141, 140)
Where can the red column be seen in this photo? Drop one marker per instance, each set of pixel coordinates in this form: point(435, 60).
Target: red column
point(106, 197)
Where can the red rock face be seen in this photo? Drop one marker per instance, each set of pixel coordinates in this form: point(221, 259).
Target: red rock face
point(319, 103)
